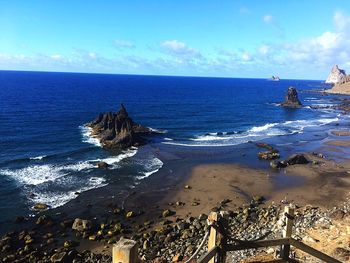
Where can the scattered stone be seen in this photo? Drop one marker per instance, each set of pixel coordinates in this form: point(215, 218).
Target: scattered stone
point(42, 220)
point(268, 155)
point(59, 257)
point(177, 258)
point(81, 225)
point(188, 186)
point(166, 213)
point(41, 206)
point(342, 253)
point(195, 203)
point(130, 214)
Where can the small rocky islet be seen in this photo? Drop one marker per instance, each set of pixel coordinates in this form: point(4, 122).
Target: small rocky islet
point(118, 130)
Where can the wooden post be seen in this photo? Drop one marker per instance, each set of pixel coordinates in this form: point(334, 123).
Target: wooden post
point(213, 219)
point(287, 232)
point(217, 237)
point(222, 236)
point(125, 251)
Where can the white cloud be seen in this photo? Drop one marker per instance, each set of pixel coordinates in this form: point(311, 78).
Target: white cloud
point(122, 44)
point(267, 18)
point(264, 49)
point(246, 56)
point(56, 56)
point(178, 48)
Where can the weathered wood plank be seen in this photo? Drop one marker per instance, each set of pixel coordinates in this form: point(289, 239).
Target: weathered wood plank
point(213, 218)
point(312, 251)
point(208, 256)
point(257, 244)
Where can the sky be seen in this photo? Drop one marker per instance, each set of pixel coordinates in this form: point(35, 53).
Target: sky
point(256, 39)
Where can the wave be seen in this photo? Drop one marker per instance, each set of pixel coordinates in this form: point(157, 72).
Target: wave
point(157, 130)
point(86, 133)
point(38, 157)
point(39, 174)
point(253, 134)
point(55, 199)
point(114, 160)
point(151, 166)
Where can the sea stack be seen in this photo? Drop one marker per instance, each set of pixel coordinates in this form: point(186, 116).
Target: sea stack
point(117, 130)
point(292, 100)
point(336, 75)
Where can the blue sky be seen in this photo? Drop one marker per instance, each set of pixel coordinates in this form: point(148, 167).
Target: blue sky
point(293, 39)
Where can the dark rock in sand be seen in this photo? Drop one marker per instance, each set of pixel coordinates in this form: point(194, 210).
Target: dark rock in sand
point(292, 100)
point(277, 164)
point(296, 159)
point(292, 160)
point(117, 130)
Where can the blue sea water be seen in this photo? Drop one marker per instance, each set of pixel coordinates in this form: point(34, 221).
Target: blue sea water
point(46, 154)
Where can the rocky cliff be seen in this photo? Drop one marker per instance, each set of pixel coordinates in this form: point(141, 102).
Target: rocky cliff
point(117, 130)
point(336, 75)
point(292, 100)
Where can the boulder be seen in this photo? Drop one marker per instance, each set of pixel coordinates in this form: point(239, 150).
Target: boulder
point(296, 159)
point(291, 100)
point(102, 165)
point(117, 130)
point(81, 225)
point(277, 164)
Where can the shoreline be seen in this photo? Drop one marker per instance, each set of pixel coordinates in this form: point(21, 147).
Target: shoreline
point(212, 185)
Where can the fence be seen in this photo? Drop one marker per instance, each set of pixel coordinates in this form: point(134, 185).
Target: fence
point(125, 251)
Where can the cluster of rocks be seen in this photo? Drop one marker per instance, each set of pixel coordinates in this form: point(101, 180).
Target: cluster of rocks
point(118, 130)
point(291, 160)
point(270, 154)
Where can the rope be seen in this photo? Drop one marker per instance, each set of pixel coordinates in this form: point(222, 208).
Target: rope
point(200, 246)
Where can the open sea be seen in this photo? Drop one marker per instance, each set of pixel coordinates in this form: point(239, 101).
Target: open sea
point(47, 156)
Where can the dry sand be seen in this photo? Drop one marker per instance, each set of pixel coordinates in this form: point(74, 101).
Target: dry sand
point(325, 184)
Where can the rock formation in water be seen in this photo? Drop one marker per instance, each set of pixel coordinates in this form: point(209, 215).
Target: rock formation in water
point(117, 130)
point(292, 100)
point(336, 75)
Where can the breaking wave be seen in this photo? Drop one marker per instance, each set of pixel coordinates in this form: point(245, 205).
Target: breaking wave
point(253, 134)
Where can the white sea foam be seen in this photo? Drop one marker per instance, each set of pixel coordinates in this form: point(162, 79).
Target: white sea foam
point(56, 199)
point(253, 134)
point(151, 166)
point(114, 160)
point(86, 133)
point(38, 174)
point(37, 157)
point(265, 127)
point(168, 139)
point(157, 130)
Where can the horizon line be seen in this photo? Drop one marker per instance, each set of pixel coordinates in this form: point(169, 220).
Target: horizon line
point(146, 75)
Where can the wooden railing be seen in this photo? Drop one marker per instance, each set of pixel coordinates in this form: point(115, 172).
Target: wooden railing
point(217, 247)
point(125, 251)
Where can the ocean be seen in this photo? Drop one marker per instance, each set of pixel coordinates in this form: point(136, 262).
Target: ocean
point(47, 156)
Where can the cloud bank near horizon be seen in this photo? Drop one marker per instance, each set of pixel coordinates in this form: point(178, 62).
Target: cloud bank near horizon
point(176, 57)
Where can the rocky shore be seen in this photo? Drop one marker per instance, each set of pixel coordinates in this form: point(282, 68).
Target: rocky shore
point(170, 238)
point(171, 228)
